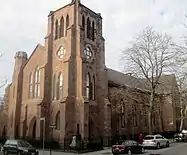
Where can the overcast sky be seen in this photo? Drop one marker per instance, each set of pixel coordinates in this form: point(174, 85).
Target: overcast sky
point(23, 24)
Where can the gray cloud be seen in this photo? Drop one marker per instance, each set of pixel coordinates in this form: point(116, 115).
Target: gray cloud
point(24, 23)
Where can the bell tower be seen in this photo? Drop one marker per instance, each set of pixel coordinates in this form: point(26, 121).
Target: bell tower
point(76, 51)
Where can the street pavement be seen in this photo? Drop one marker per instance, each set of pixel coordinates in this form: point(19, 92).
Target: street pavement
point(174, 149)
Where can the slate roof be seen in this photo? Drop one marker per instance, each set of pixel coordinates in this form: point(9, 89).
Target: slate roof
point(124, 79)
point(165, 86)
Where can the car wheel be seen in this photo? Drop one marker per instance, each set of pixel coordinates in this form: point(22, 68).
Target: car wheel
point(142, 150)
point(5, 153)
point(19, 153)
point(129, 152)
point(158, 146)
point(167, 144)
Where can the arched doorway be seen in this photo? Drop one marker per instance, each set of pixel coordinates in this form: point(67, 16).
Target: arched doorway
point(32, 128)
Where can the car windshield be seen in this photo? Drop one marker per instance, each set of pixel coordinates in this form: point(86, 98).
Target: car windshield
point(24, 144)
point(119, 142)
point(148, 138)
point(130, 142)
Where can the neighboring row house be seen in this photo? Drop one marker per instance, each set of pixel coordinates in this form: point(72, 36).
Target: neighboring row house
point(66, 81)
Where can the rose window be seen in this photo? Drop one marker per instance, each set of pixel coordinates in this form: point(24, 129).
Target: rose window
point(61, 52)
point(88, 53)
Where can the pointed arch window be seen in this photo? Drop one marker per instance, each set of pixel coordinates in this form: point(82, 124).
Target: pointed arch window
point(37, 82)
point(93, 87)
point(88, 87)
point(93, 31)
point(145, 116)
point(60, 87)
point(88, 28)
point(58, 121)
point(123, 121)
point(54, 87)
point(83, 21)
point(62, 27)
point(135, 122)
point(30, 84)
point(67, 23)
point(56, 29)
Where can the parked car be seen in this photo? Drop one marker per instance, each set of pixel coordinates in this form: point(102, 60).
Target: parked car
point(127, 147)
point(18, 147)
point(181, 137)
point(155, 141)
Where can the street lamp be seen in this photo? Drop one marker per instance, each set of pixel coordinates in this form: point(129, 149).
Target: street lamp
point(43, 119)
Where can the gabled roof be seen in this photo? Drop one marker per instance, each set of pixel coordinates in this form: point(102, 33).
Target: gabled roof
point(165, 86)
point(37, 47)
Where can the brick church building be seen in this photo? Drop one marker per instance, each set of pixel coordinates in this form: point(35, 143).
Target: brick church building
point(67, 82)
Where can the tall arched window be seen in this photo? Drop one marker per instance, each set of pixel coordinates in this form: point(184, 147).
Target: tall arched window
point(93, 87)
point(93, 31)
point(57, 88)
point(60, 85)
point(58, 121)
point(56, 29)
point(37, 82)
point(88, 87)
point(54, 87)
point(123, 121)
point(62, 27)
point(83, 21)
point(67, 23)
point(88, 28)
point(30, 86)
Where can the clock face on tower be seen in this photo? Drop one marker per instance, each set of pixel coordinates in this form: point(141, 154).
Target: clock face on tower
point(88, 53)
point(61, 52)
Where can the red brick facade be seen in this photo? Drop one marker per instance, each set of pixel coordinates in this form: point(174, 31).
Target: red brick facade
point(66, 81)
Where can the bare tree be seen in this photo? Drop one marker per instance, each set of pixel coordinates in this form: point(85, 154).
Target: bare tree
point(150, 56)
point(182, 86)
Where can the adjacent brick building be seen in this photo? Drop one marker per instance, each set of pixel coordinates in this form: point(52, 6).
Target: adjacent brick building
point(66, 81)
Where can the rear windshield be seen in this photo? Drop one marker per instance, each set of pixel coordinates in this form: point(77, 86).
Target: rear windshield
point(24, 144)
point(148, 138)
point(119, 142)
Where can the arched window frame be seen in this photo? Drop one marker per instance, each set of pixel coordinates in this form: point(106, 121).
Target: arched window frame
point(54, 87)
point(94, 88)
point(37, 82)
point(123, 121)
point(30, 86)
point(56, 29)
point(67, 23)
point(62, 27)
point(88, 87)
point(57, 121)
point(93, 31)
point(60, 86)
point(83, 21)
point(134, 110)
point(88, 28)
